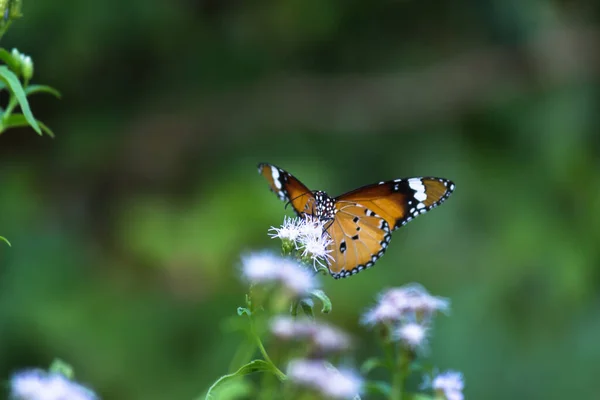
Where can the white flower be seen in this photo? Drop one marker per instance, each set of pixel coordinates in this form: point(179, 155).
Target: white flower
point(265, 267)
point(414, 298)
point(314, 240)
point(413, 335)
point(382, 313)
point(296, 278)
point(290, 230)
point(311, 227)
point(450, 384)
point(308, 235)
point(260, 267)
point(39, 385)
point(410, 302)
point(316, 249)
point(328, 338)
point(324, 378)
point(323, 337)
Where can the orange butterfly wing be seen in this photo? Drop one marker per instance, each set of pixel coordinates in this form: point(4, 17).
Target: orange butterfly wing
point(288, 188)
point(365, 217)
point(358, 239)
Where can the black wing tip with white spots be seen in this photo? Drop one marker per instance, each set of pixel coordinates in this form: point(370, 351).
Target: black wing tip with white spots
point(416, 205)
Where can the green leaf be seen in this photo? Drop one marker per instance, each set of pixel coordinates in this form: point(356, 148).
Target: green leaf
point(378, 388)
point(58, 366)
point(250, 368)
point(307, 306)
point(19, 120)
point(370, 364)
point(32, 89)
point(2, 238)
point(10, 61)
point(319, 294)
point(8, 77)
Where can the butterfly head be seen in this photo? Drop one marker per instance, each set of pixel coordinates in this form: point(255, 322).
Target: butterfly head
point(324, 207)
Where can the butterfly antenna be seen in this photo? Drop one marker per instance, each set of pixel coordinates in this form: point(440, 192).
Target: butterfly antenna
point(297, 197)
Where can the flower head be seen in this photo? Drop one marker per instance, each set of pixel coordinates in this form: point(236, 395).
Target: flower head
point(40, 385)
point(290, 230)
point(324, 378)
point(407, 303)
point(412, 335)
point(323, 337)
point(450, 384)
point(306, 235)
point(314, 241)
point(265, 267)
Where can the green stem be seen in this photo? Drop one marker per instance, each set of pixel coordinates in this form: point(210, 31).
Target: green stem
point(4, 28)
point(280, 375)
point(399, 373)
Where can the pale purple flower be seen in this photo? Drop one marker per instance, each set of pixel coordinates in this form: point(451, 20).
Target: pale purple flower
point(322, 336)
point(40, 385)
point(450, 384)
point(296, 278)
point(414, 298)
point(412, 335)
point(383, 313)
point(322, 377)
point(261, 267)
point(407, 303)
point(265, 267)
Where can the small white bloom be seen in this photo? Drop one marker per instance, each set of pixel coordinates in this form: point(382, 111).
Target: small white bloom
point(290, 230)
point(297, 278)
point(330, 339)
point(382, 313)
point(343, 384)
point(311, 227)
point(265, 267)
point(316, 249)
point(261, 267)
point(450, 384)
point(410, 302)
point(39, 385)
point(412, 335)
point(413, 297)
point(323, 337)
point(324, 378)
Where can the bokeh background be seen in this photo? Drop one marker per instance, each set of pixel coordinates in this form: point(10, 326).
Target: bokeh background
point(127, 228)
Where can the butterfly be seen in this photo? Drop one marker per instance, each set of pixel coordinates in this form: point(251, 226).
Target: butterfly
point(360, 222)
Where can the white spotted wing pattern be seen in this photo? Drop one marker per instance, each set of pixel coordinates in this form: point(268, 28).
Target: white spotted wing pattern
point(360, 222)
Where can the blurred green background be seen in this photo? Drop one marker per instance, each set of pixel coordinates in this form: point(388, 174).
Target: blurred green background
point(128, 227)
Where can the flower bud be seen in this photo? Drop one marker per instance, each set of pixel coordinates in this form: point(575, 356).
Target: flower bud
point(27, 67)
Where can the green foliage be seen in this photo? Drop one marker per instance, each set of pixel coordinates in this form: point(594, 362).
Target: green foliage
point(20, 67)
point(127, 229)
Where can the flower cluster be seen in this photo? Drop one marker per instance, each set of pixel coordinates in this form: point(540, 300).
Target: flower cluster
point(450, 385)
point(264, 267)
point(25, 63)
point(41, 385)
point(404, 315)
point(323, 338)
point(407, 311)
point(307, 236)
point(324, 378)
